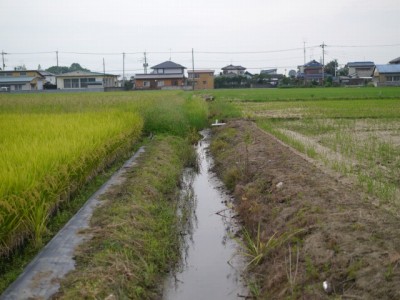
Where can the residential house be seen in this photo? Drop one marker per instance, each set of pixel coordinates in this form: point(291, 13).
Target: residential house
point(361, 69)
point(203, 79)
point(267, 79)
point(50, 78)
point(21, 80)
point(311, 71)
point(269, 72)
point(85, 80)
point(232, 70)
point(167, 75)
point(386, 75)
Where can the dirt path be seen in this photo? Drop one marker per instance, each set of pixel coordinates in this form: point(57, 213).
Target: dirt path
point(343, 239)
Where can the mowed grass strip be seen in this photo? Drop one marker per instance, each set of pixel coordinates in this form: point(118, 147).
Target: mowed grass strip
point(136, 232)
point(47, 157)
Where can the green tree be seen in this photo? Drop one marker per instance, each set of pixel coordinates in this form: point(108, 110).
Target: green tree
point(63, 69)
point(330, 67)
point(77, 67)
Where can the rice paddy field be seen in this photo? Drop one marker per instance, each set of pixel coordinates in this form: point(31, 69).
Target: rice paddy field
point(352, 131)
point(52, 144)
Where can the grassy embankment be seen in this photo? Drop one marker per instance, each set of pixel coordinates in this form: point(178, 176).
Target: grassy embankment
point(352, 131)
point(54, 144)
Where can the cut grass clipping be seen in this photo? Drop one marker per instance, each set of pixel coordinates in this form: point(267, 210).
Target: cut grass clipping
point(135, 234)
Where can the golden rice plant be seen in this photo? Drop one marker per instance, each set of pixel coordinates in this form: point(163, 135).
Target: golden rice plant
point(46, 156)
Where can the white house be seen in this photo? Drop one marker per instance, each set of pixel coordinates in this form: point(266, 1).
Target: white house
point(85, 80)
point(233, 70)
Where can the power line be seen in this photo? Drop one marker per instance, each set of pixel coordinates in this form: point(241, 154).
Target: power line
point(363, 46)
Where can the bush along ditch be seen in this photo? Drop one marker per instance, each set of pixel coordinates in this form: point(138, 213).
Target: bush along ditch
point(306, 235)
point(136, 236)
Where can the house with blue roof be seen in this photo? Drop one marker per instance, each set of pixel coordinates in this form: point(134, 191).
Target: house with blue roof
point(311, 71)
point(386, 75)
point(21, 80)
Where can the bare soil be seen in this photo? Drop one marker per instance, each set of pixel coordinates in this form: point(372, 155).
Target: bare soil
point(342, 237)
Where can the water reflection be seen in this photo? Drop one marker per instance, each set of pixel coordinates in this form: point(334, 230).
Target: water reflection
point(209, 269)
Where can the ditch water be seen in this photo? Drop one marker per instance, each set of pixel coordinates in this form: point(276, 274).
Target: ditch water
point(210, 267)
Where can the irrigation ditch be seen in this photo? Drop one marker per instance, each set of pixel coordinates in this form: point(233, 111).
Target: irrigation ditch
point(210, 267)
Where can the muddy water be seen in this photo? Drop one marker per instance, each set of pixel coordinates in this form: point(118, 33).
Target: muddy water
point(210, 269)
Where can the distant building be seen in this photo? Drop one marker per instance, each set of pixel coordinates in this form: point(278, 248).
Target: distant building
point(85, 80)
point(395, 61)
point(233, 70)
point(21, 80)
point(311, 71)
point(167, 75)
point(203, 79)
point(49, 77)
point(361, 69)
point(387, 75)
point(269, 72)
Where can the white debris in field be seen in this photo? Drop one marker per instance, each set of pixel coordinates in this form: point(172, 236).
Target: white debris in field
point(327, 287)
point(279, 185)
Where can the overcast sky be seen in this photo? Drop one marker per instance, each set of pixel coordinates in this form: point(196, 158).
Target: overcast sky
point(175, 27)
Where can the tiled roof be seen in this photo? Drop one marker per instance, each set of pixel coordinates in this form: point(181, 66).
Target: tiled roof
point(388, 68)
point(395, 61)
point(83, 73)
point(201, 71)
point(159, 76)
point(361, 64)
point(313, 63)
point(16, 79)
point(168, 65)
point(232, 67)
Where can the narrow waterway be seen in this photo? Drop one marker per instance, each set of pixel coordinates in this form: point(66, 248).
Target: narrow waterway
point(210, 268)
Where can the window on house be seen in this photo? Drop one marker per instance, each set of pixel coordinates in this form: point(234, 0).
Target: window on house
point(86, 81)
point(18, 87)
point(160, 83)
point(22, 73)
point(204, 82)
point(175, 82)
point(160, 71)
point(75, 83)
point(146, 83)
point(67, 83)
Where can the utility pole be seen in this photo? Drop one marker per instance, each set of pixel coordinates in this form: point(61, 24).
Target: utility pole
point(104, 67)
point(193, 76)
point(304, 50)
point(2, 56)
point(123, 68)
point(145, 64)
point(57, 57)
point(323, 61)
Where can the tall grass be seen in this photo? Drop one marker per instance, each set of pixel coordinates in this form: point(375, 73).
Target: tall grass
point(51, 144)
point(45, 157)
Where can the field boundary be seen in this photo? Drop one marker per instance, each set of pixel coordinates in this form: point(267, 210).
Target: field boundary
point(40, 279)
